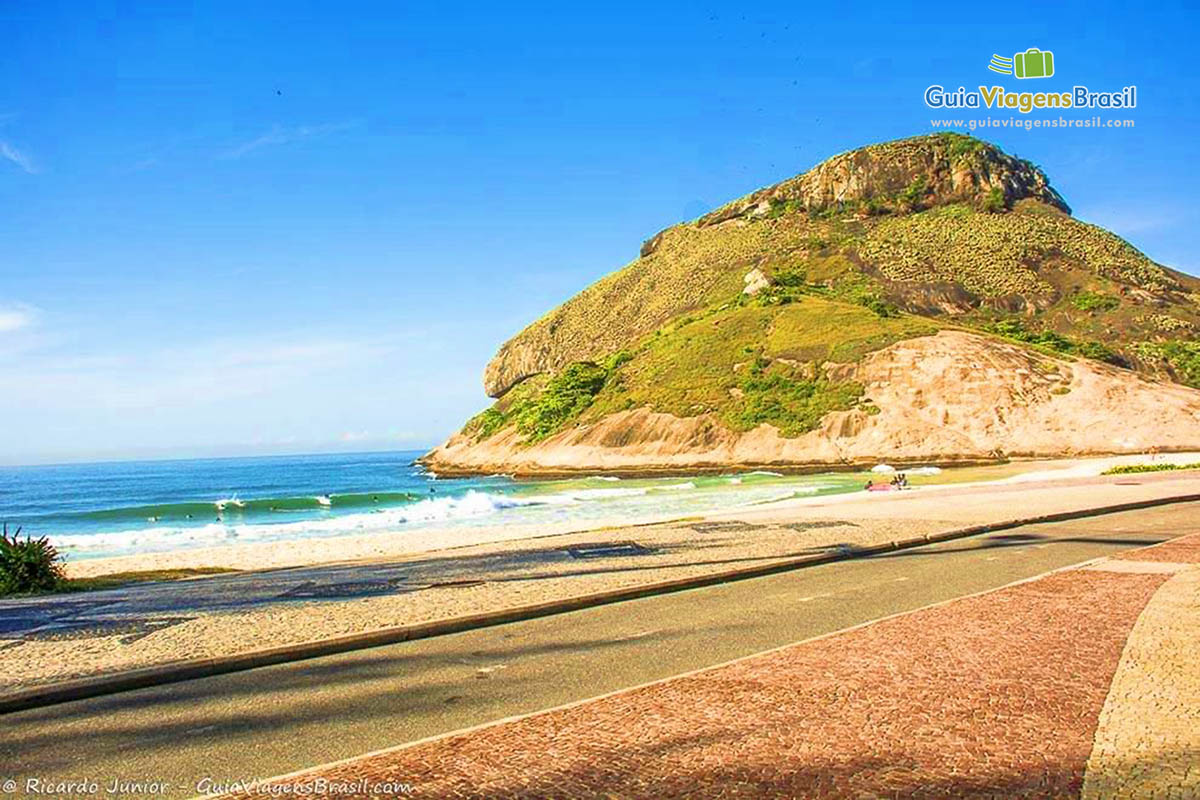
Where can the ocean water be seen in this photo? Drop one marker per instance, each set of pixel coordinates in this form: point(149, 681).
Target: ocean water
point(123, 508)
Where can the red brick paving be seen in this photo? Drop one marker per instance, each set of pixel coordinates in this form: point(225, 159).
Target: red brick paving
point(1184, 550)
point(990, 696)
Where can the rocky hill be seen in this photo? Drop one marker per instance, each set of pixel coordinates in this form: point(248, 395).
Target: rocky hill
point(796, 327)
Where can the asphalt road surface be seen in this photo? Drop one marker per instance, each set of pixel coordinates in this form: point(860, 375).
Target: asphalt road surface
point(279, 719)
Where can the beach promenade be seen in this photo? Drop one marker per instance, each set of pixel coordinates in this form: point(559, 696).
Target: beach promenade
point(1081, 683)
point(49, 639)
point(892, 670)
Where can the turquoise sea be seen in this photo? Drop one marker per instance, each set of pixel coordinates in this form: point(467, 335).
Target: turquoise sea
point(122, 508)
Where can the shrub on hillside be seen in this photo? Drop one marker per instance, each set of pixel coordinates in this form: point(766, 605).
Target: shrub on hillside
point(995, 202)
point(565, 397)
point(1094, 301)
point(1183, 358)
point(28, 565)
point(1016, 330)
point(792, 405)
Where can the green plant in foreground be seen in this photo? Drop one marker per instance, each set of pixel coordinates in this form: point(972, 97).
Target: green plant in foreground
point(28, 565)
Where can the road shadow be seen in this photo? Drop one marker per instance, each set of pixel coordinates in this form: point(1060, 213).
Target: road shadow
point(291, 699)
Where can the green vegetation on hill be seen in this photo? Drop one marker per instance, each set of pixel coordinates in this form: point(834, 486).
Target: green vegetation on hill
point(1094, 301)
point(1015, 330)
point(745, 363)
point(541, 409)
point(794, 405)
point(1081, 281)
point(992, 255)
point(750, 361)
point(873, 246)
point(1182, 357)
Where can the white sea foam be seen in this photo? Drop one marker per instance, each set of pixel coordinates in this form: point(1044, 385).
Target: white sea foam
point(764, 472)
point(592, 494)
point(603, 478)
point(472, 508)
point(472, 504)
point(156, 538)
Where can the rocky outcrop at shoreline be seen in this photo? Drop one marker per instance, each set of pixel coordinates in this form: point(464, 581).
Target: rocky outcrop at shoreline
point(952, 398)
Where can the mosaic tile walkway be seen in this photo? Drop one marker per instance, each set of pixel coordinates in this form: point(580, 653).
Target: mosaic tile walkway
point(1148, 738)
point(995, 695)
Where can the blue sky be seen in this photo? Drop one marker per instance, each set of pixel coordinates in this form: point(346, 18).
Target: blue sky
point(252, 227)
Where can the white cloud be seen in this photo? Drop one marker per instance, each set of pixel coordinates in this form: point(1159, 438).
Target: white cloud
point(10, 153)
point(71, 393)
point(196, 375)
point(283, 135)
point(16, 317)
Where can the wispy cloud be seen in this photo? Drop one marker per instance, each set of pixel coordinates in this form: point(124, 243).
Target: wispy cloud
point(182, 376)
point(279, 135)
point(22, 160)
point(16, 317)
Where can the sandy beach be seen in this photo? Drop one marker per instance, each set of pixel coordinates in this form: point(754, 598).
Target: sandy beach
point(404, 543)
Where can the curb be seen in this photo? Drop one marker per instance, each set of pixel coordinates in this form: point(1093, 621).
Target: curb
point(177, 671)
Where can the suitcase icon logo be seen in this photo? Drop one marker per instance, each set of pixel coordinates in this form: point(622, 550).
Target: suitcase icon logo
point(1033, 63)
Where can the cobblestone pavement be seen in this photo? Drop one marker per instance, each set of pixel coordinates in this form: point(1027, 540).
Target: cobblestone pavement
point(1148, 737)
point(995, 695)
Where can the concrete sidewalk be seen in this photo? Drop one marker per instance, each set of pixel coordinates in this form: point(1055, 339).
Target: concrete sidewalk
point(1074, 683)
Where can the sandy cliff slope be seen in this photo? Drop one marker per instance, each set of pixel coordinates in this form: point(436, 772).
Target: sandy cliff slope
point(949, 397)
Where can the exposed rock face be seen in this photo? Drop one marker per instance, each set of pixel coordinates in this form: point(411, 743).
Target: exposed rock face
point(951, 397)
point(755, 282)
point(884, 171)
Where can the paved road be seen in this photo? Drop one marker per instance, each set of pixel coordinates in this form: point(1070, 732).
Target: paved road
point(274, 720)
